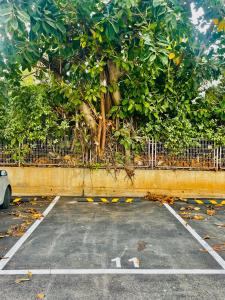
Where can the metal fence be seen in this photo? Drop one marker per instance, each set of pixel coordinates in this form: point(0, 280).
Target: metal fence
point(205, 156)
point(153, 155)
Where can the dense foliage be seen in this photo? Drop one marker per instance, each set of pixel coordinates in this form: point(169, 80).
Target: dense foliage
point(126, 68)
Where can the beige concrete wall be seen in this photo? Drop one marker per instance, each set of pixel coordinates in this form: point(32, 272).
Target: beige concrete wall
point(78, 182)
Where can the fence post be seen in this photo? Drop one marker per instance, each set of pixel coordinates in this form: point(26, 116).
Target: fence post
point(217, 159)
point(19, 161)
point(149, 155)
point(220, 158)
point(152, 154)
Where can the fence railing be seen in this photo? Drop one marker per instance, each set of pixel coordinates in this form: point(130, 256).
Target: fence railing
point(153, 155)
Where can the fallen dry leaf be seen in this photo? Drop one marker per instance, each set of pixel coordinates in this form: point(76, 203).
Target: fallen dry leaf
point(19, 280)
point(216, 247)
point(190, 207)
point(188, 215)
point(141, 245)
point(17, 230)
point(40, 296)
point(210, 212)
point(196, 208)
point(37, 216)
point(198, 217)
point(219, 247)
point(17, 200)
point(29, 274)
point(220, 225)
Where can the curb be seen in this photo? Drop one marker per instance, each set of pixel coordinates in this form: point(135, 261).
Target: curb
point(206, 201)
point(109, 200)
point(112, 200)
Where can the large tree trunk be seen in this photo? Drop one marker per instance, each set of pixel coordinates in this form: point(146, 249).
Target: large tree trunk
point(114, 75)
point(88, 117)
point(108, 102)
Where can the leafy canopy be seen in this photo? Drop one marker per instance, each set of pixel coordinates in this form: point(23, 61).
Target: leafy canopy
point(162, 57)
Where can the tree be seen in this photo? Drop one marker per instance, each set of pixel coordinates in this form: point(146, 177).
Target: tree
point(116, 61)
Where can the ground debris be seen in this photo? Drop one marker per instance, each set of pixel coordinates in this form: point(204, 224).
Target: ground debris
point(191, 216)
point(216, 247)
point(17, 230)
point(40, 296)
point(220, 225)
point(19, 280)
point(162, 198)
point(27, 278)
point(190, 208)
point(210, 212)
point(3, 235)
point(34, 213)
point(141, 245)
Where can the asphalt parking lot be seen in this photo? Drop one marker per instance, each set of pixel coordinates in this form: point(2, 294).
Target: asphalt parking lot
point(116, 251)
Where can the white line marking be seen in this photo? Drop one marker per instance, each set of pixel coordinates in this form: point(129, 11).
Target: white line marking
point(205, 245)
point(118, 261)
point(114, 271)
point(135, 261)
point(26, 235)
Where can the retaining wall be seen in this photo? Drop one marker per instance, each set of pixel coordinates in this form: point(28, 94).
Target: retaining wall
point(85, 182)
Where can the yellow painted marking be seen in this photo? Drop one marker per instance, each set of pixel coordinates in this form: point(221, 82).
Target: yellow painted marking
point(199, 201)
point(115, 200)
point(222, 202)
point(129, 200)
point(213, 202)
point(104, 200)
point(90, 200)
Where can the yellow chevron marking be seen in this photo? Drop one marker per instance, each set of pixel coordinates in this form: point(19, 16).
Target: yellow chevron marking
point(115, 200)
point(104, 200)
point(222, 202)
point(199, 201)
point(129, 200)
point(213, 202)
point(90, 199)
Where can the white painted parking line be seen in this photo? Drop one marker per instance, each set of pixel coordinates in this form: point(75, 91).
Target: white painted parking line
point(8, 256)
point(114, 272)
point(202, 242)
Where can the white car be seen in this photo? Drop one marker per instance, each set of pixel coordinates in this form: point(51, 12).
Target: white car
point(5, 190)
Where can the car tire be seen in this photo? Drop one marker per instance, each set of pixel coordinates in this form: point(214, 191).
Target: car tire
point(7, 198)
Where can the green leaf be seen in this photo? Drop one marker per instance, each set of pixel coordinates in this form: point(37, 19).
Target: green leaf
point(14, 23)
point(5, 11)
point(157, 3)
point(51, 23)
point(103, 89)
point(28, 57)
point(23, 16)
point(61, 27)
point(36, 27)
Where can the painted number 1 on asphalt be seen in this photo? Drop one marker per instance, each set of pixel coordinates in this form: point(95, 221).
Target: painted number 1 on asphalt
point(133, 260)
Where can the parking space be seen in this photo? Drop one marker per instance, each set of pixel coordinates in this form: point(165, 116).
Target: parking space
point(118, 251)
point(89, 236)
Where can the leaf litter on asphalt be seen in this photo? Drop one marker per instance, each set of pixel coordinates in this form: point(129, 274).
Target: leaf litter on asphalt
point(27, 215)
point(162, 198)
point(22, 279)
